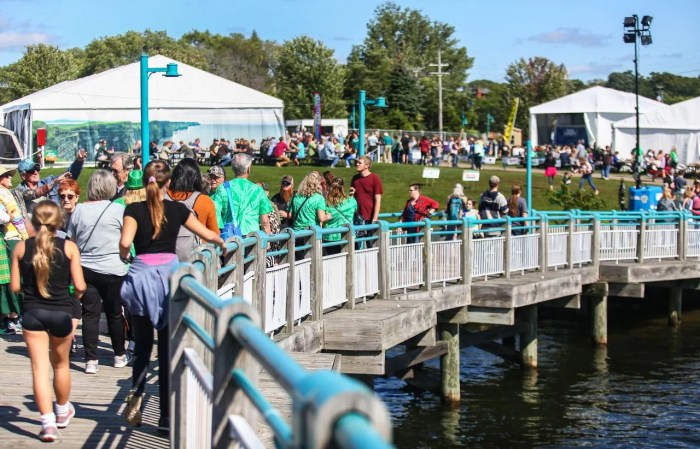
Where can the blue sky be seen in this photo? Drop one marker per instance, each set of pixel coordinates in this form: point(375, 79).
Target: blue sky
point(586, 36)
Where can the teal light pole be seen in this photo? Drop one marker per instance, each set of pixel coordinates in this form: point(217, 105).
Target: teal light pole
point(169, 71)
point(380, 102)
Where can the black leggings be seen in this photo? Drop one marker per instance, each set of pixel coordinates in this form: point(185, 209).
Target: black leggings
point(143, 339)
point(56, 322)
point(102, 292)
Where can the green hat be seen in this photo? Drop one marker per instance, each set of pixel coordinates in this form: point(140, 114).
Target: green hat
point(135, 180)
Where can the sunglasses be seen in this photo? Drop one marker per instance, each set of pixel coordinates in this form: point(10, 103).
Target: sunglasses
point(286, 184)
point(64, 196)
point(32, 171)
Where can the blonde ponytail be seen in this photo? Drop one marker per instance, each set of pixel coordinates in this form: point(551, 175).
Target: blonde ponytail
point(155, 176)
point(46, 219)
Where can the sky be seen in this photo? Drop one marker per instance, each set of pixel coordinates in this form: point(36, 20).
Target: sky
point(585, 36)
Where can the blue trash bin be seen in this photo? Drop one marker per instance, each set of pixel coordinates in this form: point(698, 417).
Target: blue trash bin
point(644, 198)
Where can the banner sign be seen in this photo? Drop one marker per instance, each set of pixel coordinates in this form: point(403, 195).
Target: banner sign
point(511, 161)
point(511, 121)
point(470, 175)
point(488, 160)
point(431, 173)
point(317, 115)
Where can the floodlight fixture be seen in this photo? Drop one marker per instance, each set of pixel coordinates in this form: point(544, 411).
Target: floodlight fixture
point(646, 39)
point(646, 21)
point(629, 38)
point(630, 22)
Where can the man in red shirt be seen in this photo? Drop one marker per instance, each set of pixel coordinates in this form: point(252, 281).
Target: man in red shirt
point(368, 190)
point(279, 153)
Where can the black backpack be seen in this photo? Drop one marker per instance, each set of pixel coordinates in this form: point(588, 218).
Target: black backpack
point(187, 241)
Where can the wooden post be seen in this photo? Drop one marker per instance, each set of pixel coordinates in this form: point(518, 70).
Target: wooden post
point(291, 280)
point(506, 250)
point(682, 235)
point(599, 319)
point(467, 251)
point(350, 268)
point(259, 299)
point(570, 243)
point(316, 274)
point(544, 245)
point(528, 337)
point(640, 239)
point(675, 306)
point(384, 262)
point(427, 255)
point(449, 363)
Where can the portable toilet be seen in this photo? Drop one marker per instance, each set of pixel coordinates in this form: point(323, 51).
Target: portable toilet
point(644, 198)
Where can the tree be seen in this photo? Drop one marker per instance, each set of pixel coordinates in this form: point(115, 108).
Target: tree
point(305, 66)
point(535, 81)
point(407, 38)
point(40, 67)
point(114, 51)
point(405, 98)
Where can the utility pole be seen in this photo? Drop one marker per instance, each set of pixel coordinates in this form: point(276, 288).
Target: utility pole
point(439, 74)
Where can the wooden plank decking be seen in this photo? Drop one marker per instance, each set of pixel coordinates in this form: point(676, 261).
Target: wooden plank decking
point(98, 400)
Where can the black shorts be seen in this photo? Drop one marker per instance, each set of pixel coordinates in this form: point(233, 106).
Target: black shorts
point(58, 323)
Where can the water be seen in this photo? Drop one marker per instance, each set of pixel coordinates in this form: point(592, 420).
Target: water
point(643, 390)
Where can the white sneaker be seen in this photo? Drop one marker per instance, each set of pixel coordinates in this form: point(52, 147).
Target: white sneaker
point(91, 367)
point(120, 361)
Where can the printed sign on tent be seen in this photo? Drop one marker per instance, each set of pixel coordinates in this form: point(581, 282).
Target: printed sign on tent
point(470, 175)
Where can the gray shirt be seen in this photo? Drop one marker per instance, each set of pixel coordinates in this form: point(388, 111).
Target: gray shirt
point(100, 251)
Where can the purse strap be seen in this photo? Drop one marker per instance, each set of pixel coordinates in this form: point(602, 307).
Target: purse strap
point(93, 228)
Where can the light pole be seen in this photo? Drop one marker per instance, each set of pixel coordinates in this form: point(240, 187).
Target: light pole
point(169, 71)
point(632, 31)
point(380, 102)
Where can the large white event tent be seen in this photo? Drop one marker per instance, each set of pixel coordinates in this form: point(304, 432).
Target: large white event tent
point(591, 111)
point(678, 126)
point(107, 105)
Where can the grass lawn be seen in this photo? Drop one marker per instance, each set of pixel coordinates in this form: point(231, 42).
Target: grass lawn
point(396, 179)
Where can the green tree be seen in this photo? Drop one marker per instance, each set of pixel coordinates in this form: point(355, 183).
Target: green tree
point(488, 97)
point(305, 66)
point(114, 51)
point(535, 81)
point(40, 67)
point(624, 81)
point(405, 98)
point(674, 88)
point(410, 39)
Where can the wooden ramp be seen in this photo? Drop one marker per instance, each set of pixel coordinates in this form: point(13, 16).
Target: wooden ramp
point(98, 400)
point(280, 399)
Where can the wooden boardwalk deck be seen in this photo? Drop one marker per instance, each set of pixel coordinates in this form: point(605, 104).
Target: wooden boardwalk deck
point(98, 400)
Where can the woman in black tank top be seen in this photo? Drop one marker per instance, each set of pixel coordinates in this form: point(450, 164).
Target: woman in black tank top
point(47, 265)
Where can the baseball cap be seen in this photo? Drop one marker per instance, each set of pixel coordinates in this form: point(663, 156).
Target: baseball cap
point(217, 171)
point(28, 165)
point(135, 180)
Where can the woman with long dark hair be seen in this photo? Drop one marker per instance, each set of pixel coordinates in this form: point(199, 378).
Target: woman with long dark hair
point(517, 208)
point(47, 265)
point(153, 226)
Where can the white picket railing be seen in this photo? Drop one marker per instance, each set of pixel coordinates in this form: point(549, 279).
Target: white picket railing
point(366, 272)
point(618, 242)
point(302, 289)
point(661, 242)
point(275, 297)
point(447, 261)
point(582, 242)
point(692, 240)
point(248, 282)
point(524, 252)
point(487, 256)
point(557, 248)
point(405, 265)
point(334, 285)
point(198, 393)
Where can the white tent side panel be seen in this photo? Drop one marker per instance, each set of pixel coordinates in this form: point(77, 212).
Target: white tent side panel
point(687, 143)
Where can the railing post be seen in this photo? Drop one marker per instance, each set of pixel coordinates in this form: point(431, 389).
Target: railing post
point(350, 267)
point(207, 257)
point(640, 238)
point(507, 249)
point(595, 242)
point(467, 251)
point(317, 292)
point(570, 243)
point(260, 268)
point(682, 235)
point(384, 261)
point(544, 245)
point(238, 275)
point(179, 340)
point(291, 280)
point(427, 255)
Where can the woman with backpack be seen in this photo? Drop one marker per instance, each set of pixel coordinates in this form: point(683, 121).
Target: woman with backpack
point(455, 206)
point(342, 208)
point(152, 226)
point(417, 208)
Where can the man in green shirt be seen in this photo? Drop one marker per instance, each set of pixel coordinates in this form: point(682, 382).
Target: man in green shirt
point(250, 204)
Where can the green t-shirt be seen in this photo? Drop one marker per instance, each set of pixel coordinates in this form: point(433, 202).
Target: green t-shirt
point(308, 214)
point(249, 202)
point(341, 215)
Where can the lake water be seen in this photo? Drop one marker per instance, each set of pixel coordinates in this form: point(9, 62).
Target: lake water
point(643, 390)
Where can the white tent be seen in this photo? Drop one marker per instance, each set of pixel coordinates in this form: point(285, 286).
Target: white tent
point(585, 114)
point(678, 126)
point(107, 105)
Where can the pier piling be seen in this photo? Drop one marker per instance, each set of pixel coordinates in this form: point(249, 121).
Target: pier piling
point(528, 337)
point(599, 319)
point(449, 363)
point(675, 304)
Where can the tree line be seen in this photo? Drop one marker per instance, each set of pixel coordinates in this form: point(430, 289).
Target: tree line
point(393, 61)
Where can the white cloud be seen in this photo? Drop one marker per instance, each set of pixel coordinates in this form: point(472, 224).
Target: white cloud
point(11, 41)
point(592, 69)
point(572, 36)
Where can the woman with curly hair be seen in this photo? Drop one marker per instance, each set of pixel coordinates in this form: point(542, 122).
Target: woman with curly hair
point(308, 206)
point(342, 208)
